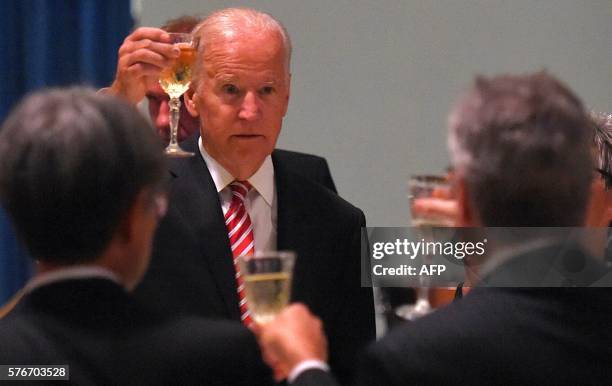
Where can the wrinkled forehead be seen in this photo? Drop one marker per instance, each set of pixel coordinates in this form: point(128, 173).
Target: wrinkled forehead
point(248, 45)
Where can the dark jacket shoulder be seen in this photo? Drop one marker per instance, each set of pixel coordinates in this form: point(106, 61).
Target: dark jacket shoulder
point(313, 167)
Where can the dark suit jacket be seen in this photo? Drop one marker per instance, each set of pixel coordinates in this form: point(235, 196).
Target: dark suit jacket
point(313, 167)
point(498, 336)
point(97, 328)
point(192, 271)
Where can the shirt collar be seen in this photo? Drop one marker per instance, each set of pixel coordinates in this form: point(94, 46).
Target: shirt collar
point(70, 273)
point(262, 180)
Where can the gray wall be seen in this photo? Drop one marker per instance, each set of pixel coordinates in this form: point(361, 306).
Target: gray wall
point(374, 80)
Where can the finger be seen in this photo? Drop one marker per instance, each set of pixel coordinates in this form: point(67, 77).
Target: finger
point(164, 49)
point(255, 328)
point(151, 33)
point(143, 70)
point(299, 309)
point(147, 50)
point(434, 206)
point(148, 60)
point(441, 193)
point(280, 372)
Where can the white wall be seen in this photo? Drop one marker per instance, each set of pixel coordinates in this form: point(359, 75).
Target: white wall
point(374, 80)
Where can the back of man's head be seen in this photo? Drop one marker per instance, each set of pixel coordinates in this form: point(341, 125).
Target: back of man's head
point(72, 163)
point(522, 145)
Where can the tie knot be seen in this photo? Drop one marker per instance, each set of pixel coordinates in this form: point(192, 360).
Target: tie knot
point(240, 189)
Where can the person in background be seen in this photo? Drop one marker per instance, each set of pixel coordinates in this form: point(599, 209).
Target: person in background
point(83, 179)
point(600, 211)
point(157, 99)
point(521, 149)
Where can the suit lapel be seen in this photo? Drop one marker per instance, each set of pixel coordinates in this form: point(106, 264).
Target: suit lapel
point(293, 233)
point(286, 236)
point(202, 209)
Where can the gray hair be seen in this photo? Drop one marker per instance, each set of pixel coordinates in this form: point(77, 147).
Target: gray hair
point(71, 164)
point(603, 144)
point(216, 25)
point(523, 146)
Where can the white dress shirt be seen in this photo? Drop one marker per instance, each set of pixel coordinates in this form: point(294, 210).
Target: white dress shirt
point(260, 202)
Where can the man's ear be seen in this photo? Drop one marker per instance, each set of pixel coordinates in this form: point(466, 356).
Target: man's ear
point(191, 100)
point(288, 95)
point(132, 220)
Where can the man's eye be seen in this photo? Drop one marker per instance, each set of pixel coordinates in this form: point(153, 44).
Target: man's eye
point(267, 90)
point(230, 89)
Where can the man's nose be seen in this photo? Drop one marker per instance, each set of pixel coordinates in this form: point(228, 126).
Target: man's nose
point(249, 109)
point(162, 121)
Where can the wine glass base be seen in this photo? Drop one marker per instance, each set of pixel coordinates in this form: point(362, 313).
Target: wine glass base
point(177, 152)
point(415, 311)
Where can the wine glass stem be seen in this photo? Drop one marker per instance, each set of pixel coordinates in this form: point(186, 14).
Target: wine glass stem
point(424, 282)
point(175, 106)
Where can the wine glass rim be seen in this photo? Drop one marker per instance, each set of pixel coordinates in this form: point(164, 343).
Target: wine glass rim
point(281, 254)
point(180, 37)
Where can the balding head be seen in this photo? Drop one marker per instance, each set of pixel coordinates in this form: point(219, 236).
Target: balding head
point(234, 24)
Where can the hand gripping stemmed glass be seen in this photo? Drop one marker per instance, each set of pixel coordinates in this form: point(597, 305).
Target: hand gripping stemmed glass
point(174, 80)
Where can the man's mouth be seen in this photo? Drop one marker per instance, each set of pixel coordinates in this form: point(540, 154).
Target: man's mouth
point(247, 136)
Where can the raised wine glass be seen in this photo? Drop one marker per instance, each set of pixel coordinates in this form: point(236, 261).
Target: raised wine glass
point(174, 80)
point(267, 279)
point(424, 186)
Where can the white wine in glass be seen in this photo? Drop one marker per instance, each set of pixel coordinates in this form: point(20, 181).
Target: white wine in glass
point(267, 283)
point(175, 80)
point(267, 294)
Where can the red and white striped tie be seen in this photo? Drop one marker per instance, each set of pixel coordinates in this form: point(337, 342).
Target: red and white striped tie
point(240, 232)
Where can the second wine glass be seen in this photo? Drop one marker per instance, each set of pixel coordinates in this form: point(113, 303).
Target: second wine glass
point(424, 186)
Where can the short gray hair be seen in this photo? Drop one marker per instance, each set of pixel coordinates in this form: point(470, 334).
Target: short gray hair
point(72, 162)
point(603, 143)
point(523, 146)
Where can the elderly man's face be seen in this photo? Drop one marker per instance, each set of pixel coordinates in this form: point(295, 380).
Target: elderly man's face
point(242, 99)
point(159, 111)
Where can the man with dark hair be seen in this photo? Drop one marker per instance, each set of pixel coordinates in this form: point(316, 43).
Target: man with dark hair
point(82, 177)
point(521, 152)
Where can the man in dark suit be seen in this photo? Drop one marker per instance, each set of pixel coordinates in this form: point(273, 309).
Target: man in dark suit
point(82, 177)
point(521, 150)
point(240, 93)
